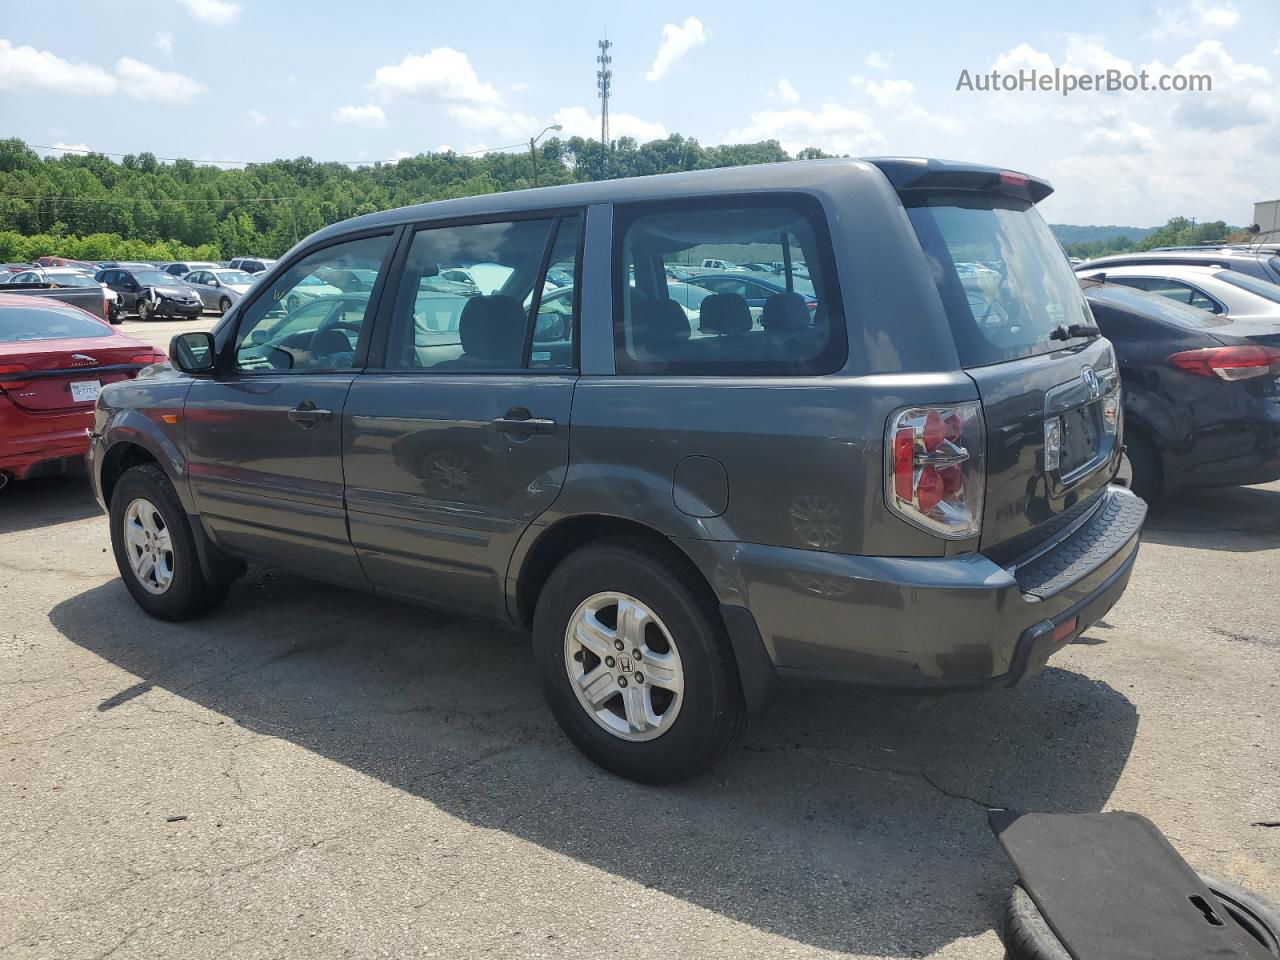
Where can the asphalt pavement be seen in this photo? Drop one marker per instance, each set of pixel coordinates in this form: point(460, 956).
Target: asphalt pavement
point(313, 772)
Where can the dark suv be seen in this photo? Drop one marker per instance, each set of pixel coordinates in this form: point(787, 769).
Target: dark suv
point(900, 478)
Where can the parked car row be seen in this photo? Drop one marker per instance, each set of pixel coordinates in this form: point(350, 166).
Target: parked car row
point(1197, 335)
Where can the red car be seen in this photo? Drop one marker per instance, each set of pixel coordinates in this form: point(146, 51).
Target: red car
point(54, 358)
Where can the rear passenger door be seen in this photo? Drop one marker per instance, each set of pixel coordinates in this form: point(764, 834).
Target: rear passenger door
point(457, 436)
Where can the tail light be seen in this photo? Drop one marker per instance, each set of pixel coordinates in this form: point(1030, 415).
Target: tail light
point(935, 473)
point(10, 368)
point(149, 358)
point(1229, 363)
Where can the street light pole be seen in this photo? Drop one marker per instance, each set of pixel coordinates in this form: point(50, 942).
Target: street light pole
point(533, 148)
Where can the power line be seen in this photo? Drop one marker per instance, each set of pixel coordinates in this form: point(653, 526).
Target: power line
point(242, 163)
point(148, 199)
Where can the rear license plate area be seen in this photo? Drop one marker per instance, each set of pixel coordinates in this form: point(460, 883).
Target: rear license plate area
point(1081, 429)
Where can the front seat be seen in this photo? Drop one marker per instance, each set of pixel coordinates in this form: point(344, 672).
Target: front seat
point(491, 330)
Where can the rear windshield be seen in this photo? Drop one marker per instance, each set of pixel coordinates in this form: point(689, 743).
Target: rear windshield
point(1152, 305)
point(1002, 276)
point(18, 324)
point(1268, 291)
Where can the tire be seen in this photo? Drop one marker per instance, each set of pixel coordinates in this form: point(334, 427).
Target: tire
point(1145, 469)
point(146, 310)
point(291, 303)
point(224, 305)
point(185, 593)
point(1027, 935)
point(686, 639)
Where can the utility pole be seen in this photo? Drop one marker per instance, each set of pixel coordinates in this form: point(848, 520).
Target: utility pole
point(533, 148)
point(604, 84)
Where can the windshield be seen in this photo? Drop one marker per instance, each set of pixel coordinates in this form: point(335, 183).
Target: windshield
point(71, 278)
point(154, 278)
point(1268, 291)
point(1151, 305)
point(233, 277)
point(1002, 276)
point(45, 323)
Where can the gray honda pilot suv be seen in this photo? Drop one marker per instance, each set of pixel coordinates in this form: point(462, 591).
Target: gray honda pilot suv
point(888, 465)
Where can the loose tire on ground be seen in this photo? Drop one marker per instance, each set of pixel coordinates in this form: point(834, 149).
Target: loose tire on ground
point(1027, 935)
point(712, 713)
point(187, 594)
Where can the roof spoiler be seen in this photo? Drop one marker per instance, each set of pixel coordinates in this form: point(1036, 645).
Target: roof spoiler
point(911, 174)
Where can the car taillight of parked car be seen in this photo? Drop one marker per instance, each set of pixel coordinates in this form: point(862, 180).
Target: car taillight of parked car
point(935, 471)
point(11, 368)
point(1229, 363)
point(149, 358)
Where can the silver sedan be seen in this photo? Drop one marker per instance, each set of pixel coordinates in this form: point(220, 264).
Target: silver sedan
point(219, 289)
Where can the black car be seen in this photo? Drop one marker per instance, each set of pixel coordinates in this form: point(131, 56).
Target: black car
point(151, 293)
point(1201, 392)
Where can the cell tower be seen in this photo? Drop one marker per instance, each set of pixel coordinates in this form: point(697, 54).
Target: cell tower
point(604, 84)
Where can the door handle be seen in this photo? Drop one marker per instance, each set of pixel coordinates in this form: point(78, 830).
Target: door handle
point(519, 422)
point(307, 414)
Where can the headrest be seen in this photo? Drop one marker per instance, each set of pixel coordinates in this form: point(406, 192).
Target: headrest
point(658, 322)
point(724, 313)
point(785, 311)
point(492, 328)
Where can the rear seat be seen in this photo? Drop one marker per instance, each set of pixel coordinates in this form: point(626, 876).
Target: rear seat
point(661, 331)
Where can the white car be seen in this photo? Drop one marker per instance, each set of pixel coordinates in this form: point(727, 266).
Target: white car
point(1227, 293)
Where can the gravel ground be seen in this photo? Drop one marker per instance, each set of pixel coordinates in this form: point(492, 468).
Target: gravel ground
point(311, 772)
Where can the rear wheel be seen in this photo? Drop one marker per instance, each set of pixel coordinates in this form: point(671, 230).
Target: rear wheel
point(1027, 936)
point(154, 548)
point(1144, 470)
point(635, 663)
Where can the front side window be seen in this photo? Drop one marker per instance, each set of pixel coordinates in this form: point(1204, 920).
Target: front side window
point(283, 331)
point(471, 298)
point(727, 324)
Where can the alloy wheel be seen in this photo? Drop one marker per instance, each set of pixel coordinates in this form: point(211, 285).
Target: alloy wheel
point(148, 546)
point(624, 666)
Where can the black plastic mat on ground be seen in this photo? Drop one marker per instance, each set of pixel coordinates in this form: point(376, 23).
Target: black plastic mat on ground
point(1113, 888)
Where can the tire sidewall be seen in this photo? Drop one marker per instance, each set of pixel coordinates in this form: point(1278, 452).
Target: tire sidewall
point(683, 748)
point(151, 484)
point(224, 305)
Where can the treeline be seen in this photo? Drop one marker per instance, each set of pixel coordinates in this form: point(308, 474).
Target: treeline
point(91, 207)
point(1178, 232)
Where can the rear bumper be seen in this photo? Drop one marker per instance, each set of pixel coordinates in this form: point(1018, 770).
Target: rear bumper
point(21, 455)
point(945, 623)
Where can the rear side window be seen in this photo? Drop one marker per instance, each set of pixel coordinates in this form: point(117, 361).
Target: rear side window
point(730, 322)
point(477, 298)
point(1003, 278)
point(20, 324)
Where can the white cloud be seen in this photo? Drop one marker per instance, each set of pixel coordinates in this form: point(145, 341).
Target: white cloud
point(442, 74)
point(293, 123)
point(1120, 136)
point(79, 148)
point(217, 12)
point(144, 82)
point(164, 43)
point(39, 69)
point(879, 61)
point(787, 92)
point(581, 122)
point(1195, 19)
point(676, 42)
point(370, 115)
point(257, 119)
point(834, 128)
point(898, 97)
point(507, 123)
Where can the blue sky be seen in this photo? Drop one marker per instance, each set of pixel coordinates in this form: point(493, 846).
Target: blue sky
point(220, 80)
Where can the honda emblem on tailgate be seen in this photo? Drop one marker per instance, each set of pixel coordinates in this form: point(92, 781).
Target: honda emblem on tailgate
point(1090, 381)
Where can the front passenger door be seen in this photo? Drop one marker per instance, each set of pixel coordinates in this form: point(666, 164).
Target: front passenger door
point(264, 435)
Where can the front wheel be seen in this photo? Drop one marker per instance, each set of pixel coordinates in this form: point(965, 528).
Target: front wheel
point(224, 305)
point(146, 310)
point(154, 547)
point(635, 662)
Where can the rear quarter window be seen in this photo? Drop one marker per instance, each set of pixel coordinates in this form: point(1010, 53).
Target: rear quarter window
point(797, 329)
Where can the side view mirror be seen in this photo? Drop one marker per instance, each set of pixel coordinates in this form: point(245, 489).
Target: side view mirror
point(193, 353)
point(215, 282)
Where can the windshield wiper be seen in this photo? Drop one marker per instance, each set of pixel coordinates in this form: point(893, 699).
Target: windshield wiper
point(1064, 332)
